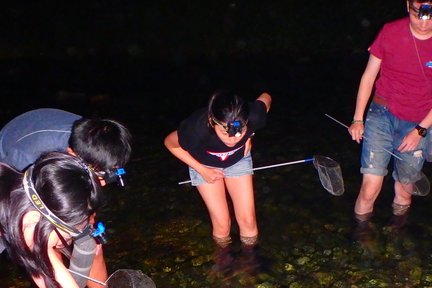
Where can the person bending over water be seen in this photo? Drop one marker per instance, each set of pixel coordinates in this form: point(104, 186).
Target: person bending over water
point(215, 143)
point(43, 211)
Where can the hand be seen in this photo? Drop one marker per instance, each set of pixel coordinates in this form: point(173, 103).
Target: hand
point(356, 130)
point(410, 141)
point(248, 147)
point(211, 175)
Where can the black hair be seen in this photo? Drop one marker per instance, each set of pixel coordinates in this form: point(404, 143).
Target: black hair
point(226, 106)
point(66, 186)
point(419, 1)
point(102, 143)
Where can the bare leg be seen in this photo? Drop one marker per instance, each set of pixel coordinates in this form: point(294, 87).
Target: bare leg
point(402, 199)
point(242, 195)
point(214, 197)
point(369, 191)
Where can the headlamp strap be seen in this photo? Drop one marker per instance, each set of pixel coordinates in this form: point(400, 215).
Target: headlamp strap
point(37, 202)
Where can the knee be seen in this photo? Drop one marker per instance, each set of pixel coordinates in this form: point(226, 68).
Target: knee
point(369, 192)
point(247, 222)
point(221, 228)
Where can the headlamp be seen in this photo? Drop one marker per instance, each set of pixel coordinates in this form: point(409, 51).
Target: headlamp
point(425, 11)
point(114, 175)
point(233, 128)
point(98, 232)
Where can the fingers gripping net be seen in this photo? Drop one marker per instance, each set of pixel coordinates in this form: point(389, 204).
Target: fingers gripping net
point(127, 278)
point(330, 174)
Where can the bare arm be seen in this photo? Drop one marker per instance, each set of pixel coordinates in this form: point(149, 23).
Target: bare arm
point(209, 174)
point(364, 93)
point(61, 273)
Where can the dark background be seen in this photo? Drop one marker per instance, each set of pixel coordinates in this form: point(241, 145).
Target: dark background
point(159, 60)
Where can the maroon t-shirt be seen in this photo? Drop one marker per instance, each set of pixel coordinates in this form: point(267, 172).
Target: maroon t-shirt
point(201, 141)
point(405, 79)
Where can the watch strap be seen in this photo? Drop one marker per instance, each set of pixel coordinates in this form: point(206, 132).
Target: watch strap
point(421, 130)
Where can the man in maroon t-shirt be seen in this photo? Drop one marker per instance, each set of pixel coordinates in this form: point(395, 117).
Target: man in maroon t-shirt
point(400, 70)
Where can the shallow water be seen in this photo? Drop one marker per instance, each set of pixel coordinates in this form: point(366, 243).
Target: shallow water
point(306, 234)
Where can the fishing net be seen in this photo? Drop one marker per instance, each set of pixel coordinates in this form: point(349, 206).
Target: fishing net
point(128, 278)
point(413, 181)
point(420, 188)
point(330, 174)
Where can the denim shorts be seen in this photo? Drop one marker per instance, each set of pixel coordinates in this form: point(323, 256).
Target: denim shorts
point(242, 167)
point(383, 130)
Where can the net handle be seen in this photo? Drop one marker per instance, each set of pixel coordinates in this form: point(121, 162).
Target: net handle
point(422, 193)
point(267, 167)
point(337, 121)
point(88, 278)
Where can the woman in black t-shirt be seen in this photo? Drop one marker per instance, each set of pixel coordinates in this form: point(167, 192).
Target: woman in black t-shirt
point(215, 143)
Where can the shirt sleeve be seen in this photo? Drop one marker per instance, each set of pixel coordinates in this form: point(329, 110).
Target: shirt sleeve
point(18, 159)
point(257, 115)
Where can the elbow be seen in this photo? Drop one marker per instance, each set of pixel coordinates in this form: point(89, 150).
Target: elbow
point(171, 141)
point(267, 99)
point(167, 142)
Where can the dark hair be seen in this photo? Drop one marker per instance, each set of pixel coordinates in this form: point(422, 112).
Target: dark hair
point(66, 186)
point(226, 106)
point(419, 1)
point(104, 144)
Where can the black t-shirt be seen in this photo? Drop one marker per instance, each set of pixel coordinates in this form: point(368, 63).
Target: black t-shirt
point(201, 141)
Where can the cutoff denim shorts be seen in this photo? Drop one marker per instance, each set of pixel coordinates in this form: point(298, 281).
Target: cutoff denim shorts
point(242, 167)
point(383, 130)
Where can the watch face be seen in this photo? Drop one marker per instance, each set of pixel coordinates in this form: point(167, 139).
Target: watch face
point(421, 131)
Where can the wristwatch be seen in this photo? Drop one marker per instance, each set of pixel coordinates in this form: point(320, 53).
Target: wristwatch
point(421, 131)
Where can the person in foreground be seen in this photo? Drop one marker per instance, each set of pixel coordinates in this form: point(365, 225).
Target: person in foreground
point(43, 211)
point(215, 143)
point(104, 144)
point(400, 70)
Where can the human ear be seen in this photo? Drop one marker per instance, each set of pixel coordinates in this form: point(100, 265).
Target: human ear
point(210, 122)
point(408, 6)
point(29, 221)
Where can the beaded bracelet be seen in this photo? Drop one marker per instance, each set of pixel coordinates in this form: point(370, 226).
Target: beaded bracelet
point(357, 121)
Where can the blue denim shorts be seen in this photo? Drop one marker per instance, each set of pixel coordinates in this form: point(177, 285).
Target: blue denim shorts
point(383, 130)
point(242, 167)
